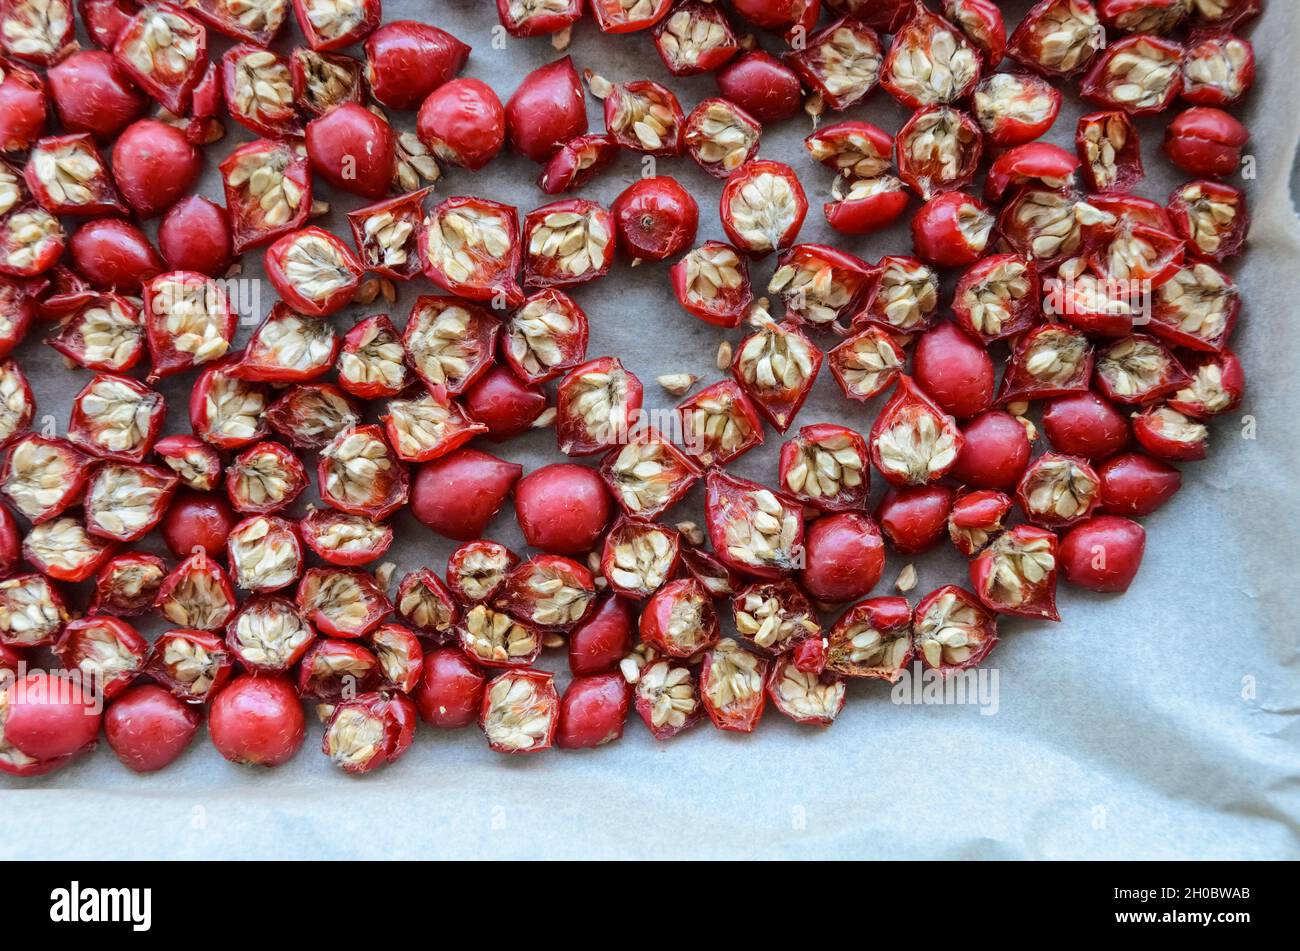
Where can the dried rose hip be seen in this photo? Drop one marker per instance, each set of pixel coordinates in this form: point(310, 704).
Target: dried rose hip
point(386, 235)
point(667, 698)
point(939, 150)
point(198, 522)
point(538, 17)
point(1016, 574)
point(842, 62)
point(165, 52)
point(66, 176)
point(712, 283)
point(866, 364)
point(696, 38)
point(268, 191)
point(873, 640)
point(952, 630)
point(1103, 553)
point(504, 405)
point(148, 728)
point(196, 463)
point(257, 721)
point(1057, 38)
point(333, 670)
point(313, 271)
point(753, 530)
point(32, 612)
point(1049, 360)
point(976, 519)
point(1110, 150)
point(930, 62)
point(194, 665)
point(826, 466)
point(31, 241)
point(115, 417)
point(774, 616)
point(593, 711)
point(1137, 370)
point(225, 411)
point(731, 685)
point(577, 162)
point(369, 731)
point(655, 218)
point(1215, 388)
point(547, 592)
point(469, 247)
point(1014, 108)
point(763, 207)
point(342, 603)
point(547, 110)
point(42, 477)
point(567, 242)
point(1058, 490)
point(1212, 218)
point(125, 501)
point(914, 517)
point(460, 493)
point(372, 362)
point(450, 691)
point(913, 441)
point(104, 333)
point(648, 475)
point(267, 635)
point(952, 230)
point(820, 285)
point(598, 405)
point(346, 540)
point(719, 424)
point(462, 123)
point(844, 557)
point(639, 557)
point(603, 639)
point(62, 549)
point(188, 321)
point(954, 369)
point(197, 594)
point(264, 553)
point(334, 24)
point(359, 474)
point(1168, 434)
point(1140, 75)
point(1084, 424)
point(322, 81)
point(128, 584)
point(521, 709)
point(477, 570)
point(1218, 68)
point(353, 149)
point(107, 651)
point(407, 60)
point(22, 120)
point(777, 366)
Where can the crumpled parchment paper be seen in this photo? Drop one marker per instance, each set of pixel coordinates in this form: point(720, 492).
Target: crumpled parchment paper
point(1160, 724)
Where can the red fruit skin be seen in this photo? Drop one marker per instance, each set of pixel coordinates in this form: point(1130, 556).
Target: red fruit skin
point(1103, 553)
point(593, 711)
point(546, 110)
point(562, 508)
point(1206, 142)
point(450, 691)
point(660, 611)
point(113, 254)
point(762, 85)
point(148, 728)
point(994, 454)
point(153, 166)
point(257, 721)
point(352, 149)
point(407, 60)
point(504, 404)
point(10, 544)
point(49, 719)
point(458, 495)
point(541, 23)
point(915, 518)
point(462, 122)
point(844, 557)
point(22, 109)
point(1084, 424)
point(602, 640)
point(655, 218)
point(198, 521)
point(935, 235)
point(955, 370)
point(194, 235)
point(92, 94)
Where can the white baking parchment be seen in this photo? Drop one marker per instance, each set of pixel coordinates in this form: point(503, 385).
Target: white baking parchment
point(1161, 724)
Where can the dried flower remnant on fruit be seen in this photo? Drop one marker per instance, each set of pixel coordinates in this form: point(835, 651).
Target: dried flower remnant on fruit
point(498, 639)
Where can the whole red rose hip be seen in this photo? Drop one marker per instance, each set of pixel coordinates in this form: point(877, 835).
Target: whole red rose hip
point(562, 508)
point(458, 494)
point(92, 94)
point(844, 557)
point(1204, 141)
point(154, 165)
point(546, 110)
point(593, 711)
point(995, 452)
point(114, 254)
point(655, 218)
point(194, 235)
point(257, 721)
point(1103, 553)
point(463, 123)
point(352, 149)
point(148, 728)
point(49, 717)
point(450, 690)
point(955, 369)
point(406, 60)
point(198, 521)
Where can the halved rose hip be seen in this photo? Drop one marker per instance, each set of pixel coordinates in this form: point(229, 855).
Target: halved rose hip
point(805, 697)
point(567, 242)
point(997, 297)
point(334, 24)
point(1224, 14)
point(386, 235)
point(842, 62)
point(648, 474)
point(255, 21)
point(549, 592)
point(194, 665)
point(333, 670)
point(1057, 38)
point(777, 366)
point(1137, 370)
point(67, 176)
point(763, 207)
point(32, 612)
point(1047, 225)
point(599, 404)
point(258, 89)
point(372, 363)
point(22, 120)
point(194, 461)
point(346, 540)
point(1212, 217)
point(322, 81)
point(639, 557)
point(1218, 68)
point(268, 191)
point(225, 411)
point(165, 51)
point(930, 62)
point(913, 441)
point(1058, 490)
point(976, 519)
point(873, 639)
point(774, 616)
point(469, 247)
point(753, 530)
point(828, 467)
point(1168, 434)
point(952, 230)
point(1015, 108)
point(125, 501)
point(1143, 16)
point(197, 594)
point(400, 656)
point(1017, 573)
point(820, 285)
point(667, 698)
point(628, 16)
point(904, 297)
point(712, 283)
point(1103, 553)
point(719, 424)
point(696, 38)
point(267, 635)
point(425, 426)
point(731, 685)
point(313, 271)
point(38, 31)
point(521, 709)
point(406, 60)
point(939, 150)
point(1215, 388)
point(42, 477)
point(865, 205)
point(1084, 424)
point(547, 110)
point(188, 321)
point(545, 337)
point(995, 452)
point(460, 493)
point(1110, 150)
point(866, 364)
point(600, 642)
point(538, 17)
point(287, 348)
point(62, 549)
point(424, 602)
point(31, 242)
point(477, 570)
point(449, 342)
point(16, 403)
point(1032, 165)
point(105, 333)
point(1140, 75)
point(369, 731)
point(359, 474)
point(952, 630)
point(577, 162)
point(116, 417)
point(1048, 360)
point(493, 638)
point(342, 603)
point(127, 584)
point(108, 651)
point(264, 553)
point(642, 115)
point(655, 218)
point(852, 148)
point(462, 123)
